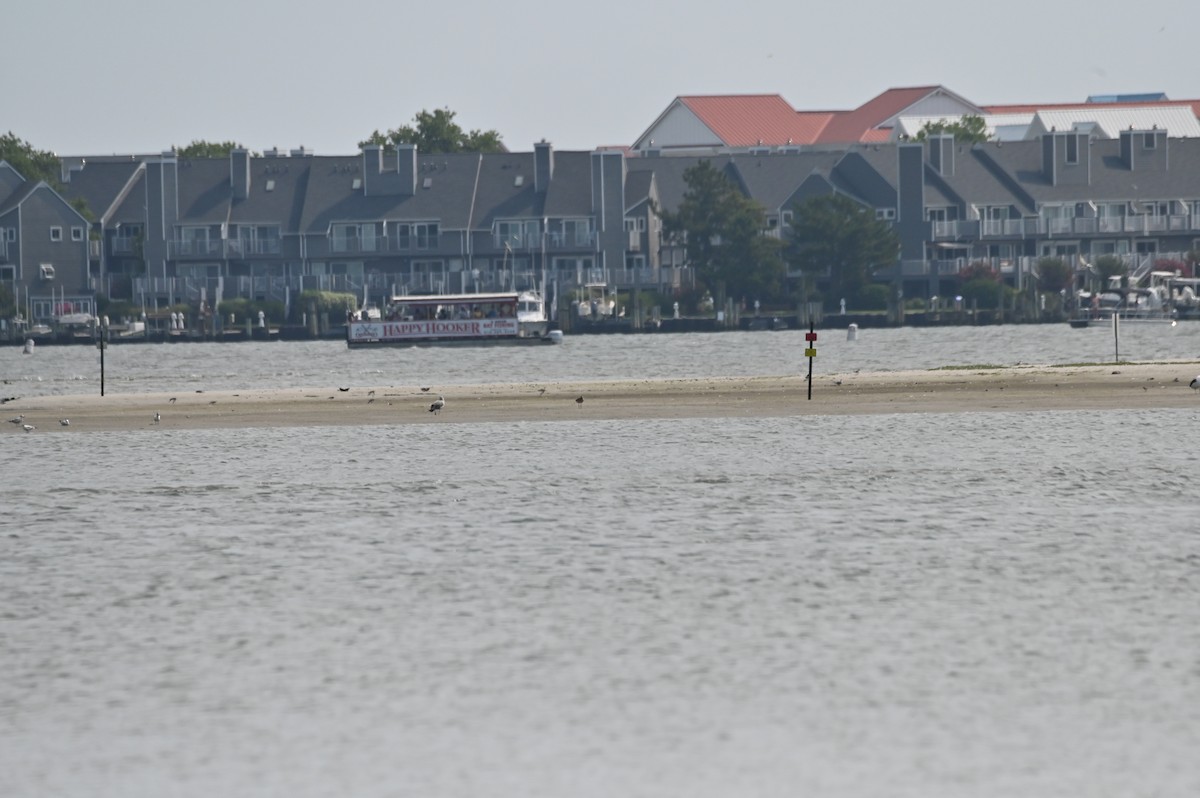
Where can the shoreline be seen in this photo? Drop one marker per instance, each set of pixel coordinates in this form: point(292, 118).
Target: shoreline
point(952, 390)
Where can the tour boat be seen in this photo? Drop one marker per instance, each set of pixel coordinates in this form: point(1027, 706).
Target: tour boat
point(493, 318)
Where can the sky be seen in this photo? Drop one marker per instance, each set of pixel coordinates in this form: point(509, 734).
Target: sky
point(141, 76)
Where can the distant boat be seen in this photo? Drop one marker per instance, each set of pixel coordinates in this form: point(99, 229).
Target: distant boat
point(511, 317)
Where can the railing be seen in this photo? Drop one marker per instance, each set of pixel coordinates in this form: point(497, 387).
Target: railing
point(1073, 226)
point(415, 243)
point(123, 245)
point(180, 250)
point(238, 248)
point(350, 245)
point(577, 240)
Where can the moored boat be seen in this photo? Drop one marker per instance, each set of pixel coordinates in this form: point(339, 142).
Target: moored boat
point(514, 317)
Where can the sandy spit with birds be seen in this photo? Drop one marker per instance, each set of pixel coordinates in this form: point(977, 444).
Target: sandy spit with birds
point(1001, 389)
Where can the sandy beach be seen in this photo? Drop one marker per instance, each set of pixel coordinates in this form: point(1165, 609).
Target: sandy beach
point(959, 390)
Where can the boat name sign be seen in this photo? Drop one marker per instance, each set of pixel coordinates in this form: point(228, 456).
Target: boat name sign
point(462, 328)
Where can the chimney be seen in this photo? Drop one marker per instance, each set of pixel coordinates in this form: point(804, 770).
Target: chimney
point(543, 166)
point(239, 173)
point(406, 168)
point(372, 168)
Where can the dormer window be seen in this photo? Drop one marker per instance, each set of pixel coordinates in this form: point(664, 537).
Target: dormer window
point(1149, 141)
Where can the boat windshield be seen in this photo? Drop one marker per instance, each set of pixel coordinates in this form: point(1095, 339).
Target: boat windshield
point(445, 308)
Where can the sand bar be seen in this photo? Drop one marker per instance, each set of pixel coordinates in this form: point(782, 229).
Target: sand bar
point(1017, 388)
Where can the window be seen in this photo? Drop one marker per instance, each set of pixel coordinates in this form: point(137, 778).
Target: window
point(1149, 141)
point(1072, 149)
point(12, 233)
point(403, 236)
point(56, 233)
point(345, 238)
point(426, 234)
point(76, 233)
point(577, 232)
point(887, 214)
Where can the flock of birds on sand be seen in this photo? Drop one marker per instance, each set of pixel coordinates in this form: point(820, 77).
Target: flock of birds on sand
point(435, 407)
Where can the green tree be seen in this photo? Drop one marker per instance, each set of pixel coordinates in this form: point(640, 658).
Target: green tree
point(835, 233)
point(207, 149)
point(32, 164)
point(971, 129)
point(1109, 266)
point(1054, 274)
point(38, 165)
point(437, 132)
point(722, 231)
point(981, 284)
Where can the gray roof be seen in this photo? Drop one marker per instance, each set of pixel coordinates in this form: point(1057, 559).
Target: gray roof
point(331, 197)
point(277, 193)
point(570, 190)
point(99, 182)
point(204, 190)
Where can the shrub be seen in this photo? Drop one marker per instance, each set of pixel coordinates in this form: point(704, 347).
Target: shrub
point(1109, 266)
point(873, 297)
point(332, 302)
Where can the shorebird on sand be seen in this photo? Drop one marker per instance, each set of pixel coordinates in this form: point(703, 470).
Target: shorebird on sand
point(579, 400)
point(66, 422)
point(1195, 383)
point(437, 406)
point(28, 427)
point(157, 417)
point(16, 420)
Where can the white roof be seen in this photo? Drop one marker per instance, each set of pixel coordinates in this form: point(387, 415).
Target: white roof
point(1107, 122)
point(1000, 127)
point(1099, 120)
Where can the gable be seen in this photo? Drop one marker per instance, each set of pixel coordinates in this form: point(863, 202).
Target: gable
point(678, 126)
point(10, 180)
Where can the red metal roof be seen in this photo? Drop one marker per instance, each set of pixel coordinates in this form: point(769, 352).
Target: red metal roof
point(859, 124)
point(746, 120)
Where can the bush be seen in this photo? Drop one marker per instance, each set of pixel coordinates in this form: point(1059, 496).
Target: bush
point(984, 291)
point(243, 309)
point(332, 302)
point(873, 297)
point(1109, 266)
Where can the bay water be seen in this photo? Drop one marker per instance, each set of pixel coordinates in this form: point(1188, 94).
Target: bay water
point(984, 604)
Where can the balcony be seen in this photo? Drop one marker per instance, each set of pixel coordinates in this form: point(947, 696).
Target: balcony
point(195, 249)
point(518, 241)
point(569, 240)
point(251, 248)
point(415, 243)
point(123, 245)
point(1074, 226)
point(339, 245)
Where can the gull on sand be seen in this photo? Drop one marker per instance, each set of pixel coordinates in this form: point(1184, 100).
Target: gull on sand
point(437, 405)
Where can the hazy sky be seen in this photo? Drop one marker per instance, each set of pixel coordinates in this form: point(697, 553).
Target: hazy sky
point(128, 76)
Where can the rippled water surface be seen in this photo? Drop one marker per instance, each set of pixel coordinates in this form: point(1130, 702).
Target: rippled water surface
point(140, 368)
point(980, 604)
